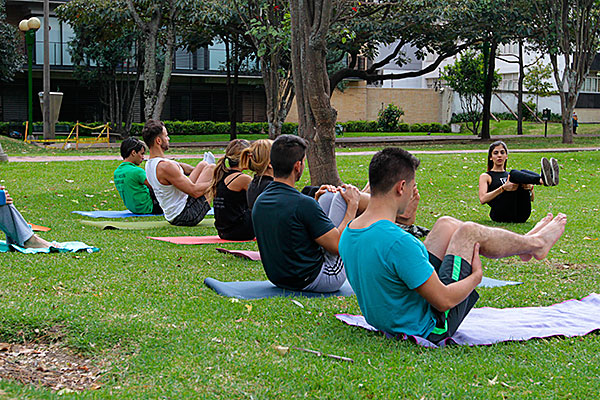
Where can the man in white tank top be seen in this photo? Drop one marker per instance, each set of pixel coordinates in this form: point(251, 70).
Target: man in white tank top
point(179, 187)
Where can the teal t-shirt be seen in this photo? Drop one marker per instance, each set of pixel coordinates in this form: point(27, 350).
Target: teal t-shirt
point(286, 224)
point(129, 180)
point(384, 265)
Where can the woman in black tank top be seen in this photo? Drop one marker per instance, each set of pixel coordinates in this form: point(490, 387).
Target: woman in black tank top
point(508, 201)
point(233, 218)
point(257, 158)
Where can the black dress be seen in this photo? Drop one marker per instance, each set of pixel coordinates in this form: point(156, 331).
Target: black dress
point(508, 206)
point(233, 218)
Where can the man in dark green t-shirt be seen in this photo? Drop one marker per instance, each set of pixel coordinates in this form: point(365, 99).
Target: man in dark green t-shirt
point(131, 181)
point(297, 238)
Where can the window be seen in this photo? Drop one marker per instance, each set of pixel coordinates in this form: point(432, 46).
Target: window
point(591, 84)
point(60, 34)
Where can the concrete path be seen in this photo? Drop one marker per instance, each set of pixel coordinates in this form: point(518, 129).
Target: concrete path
point(341, 153)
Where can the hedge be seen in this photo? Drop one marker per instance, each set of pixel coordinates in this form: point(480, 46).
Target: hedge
point(216, 128)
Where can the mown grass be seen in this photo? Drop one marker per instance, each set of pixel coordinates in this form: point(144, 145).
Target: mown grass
point(140, 307)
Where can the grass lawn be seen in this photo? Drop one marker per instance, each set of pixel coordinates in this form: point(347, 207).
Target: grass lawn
point(140, 309)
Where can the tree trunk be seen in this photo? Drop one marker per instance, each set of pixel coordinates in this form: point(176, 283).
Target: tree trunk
point(565, 109)
point(487, 94)
point(161, 95)
point(520, 91)
point(310, 23)
point(230, 96)
point(279, 94)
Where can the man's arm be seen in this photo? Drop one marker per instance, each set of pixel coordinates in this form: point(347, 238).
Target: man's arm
point(168, 173)
point(187, 168)
point(444, 297)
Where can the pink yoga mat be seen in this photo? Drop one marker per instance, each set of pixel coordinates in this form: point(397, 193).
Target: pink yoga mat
point(195, 239)
point(247, 254)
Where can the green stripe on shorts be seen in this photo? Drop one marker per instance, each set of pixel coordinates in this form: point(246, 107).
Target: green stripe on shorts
point(456, 268)
point(441, 331)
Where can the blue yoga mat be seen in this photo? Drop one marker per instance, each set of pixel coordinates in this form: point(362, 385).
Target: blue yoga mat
point(57, 247)
point(249, 290)
point(120, 214)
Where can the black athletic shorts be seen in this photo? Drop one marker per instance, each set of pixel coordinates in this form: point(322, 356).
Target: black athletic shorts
point(194, 211)
point(451, 269)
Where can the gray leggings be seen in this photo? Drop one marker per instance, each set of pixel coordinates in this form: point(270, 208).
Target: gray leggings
point(14, 226)
point(332, 275)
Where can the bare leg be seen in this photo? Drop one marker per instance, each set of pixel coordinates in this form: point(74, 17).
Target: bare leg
point(543, 222)
point(499, 243)
point(363, 202)
point(36, 242)
point(438, 239)
point(203, 172)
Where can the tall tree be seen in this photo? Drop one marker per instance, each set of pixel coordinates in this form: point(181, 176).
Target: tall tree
point(104, 54)
point(11, 56)
point(267, 25)
point(571, 32)
point(327, 32)
point(467, 77)
point(157, 21)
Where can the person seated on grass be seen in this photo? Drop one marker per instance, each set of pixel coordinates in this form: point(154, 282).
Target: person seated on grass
point(130, 180)
point(257, 158)
point(509, 195)
point(16, 229)
point(179, 187)
point(424, 289)
point(297, 238)
point(233, 218)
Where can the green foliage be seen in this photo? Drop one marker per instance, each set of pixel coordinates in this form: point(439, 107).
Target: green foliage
point(467, 78)
point(389, 117)
point(360, 126)
point(537, 82)
point(11, 57)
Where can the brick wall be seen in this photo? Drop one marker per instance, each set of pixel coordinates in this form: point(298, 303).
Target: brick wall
point(359, 102)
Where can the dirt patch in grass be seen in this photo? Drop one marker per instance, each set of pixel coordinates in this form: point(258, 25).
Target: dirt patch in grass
point(48, 365)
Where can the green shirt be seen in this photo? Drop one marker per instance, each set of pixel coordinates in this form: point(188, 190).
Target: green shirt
point(129, 180)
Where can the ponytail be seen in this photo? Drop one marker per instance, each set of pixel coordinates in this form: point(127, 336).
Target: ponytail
point(231, 159)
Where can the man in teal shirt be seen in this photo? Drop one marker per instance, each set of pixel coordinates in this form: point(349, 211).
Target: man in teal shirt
point(425, 289)
point(131, 181)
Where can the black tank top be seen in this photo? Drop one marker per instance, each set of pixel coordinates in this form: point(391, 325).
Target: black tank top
point(231, 208)
point(508, 206)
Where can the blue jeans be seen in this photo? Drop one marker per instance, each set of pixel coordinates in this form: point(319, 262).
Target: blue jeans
point(14, 226)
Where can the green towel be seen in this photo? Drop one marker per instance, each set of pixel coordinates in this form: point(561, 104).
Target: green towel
point(137, 225)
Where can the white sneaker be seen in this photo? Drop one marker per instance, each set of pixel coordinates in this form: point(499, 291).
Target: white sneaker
point(209, 157)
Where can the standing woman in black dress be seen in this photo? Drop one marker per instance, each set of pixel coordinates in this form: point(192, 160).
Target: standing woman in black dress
point(509, 195)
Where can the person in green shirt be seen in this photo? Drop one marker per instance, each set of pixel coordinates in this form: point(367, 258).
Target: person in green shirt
point(131, 182)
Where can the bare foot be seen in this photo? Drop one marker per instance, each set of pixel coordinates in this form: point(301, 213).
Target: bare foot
point(550, 235)
point(36, 242)
point(542, 223)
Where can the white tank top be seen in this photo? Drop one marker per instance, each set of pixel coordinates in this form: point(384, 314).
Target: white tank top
point(171, 199)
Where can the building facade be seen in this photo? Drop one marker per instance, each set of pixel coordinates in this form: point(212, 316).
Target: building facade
point(197, 91)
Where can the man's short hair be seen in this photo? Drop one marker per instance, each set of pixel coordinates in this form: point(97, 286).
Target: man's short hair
point(285, 152)
point(129, 145)
point(152, 129)
point(389, 166)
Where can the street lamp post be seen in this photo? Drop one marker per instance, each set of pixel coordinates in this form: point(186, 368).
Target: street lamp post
point(29, 26)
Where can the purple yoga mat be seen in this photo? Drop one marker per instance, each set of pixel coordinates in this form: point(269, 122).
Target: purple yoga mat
point(486, 326)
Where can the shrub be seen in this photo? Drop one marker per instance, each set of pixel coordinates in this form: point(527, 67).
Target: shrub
point(389, 117)
point(360, 126)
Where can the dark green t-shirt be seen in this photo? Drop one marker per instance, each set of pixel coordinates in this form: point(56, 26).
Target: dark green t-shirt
point(129, 180)
point(286, 224)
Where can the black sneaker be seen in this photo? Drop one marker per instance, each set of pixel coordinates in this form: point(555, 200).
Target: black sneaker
point(547, 172)
point(555, 171)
